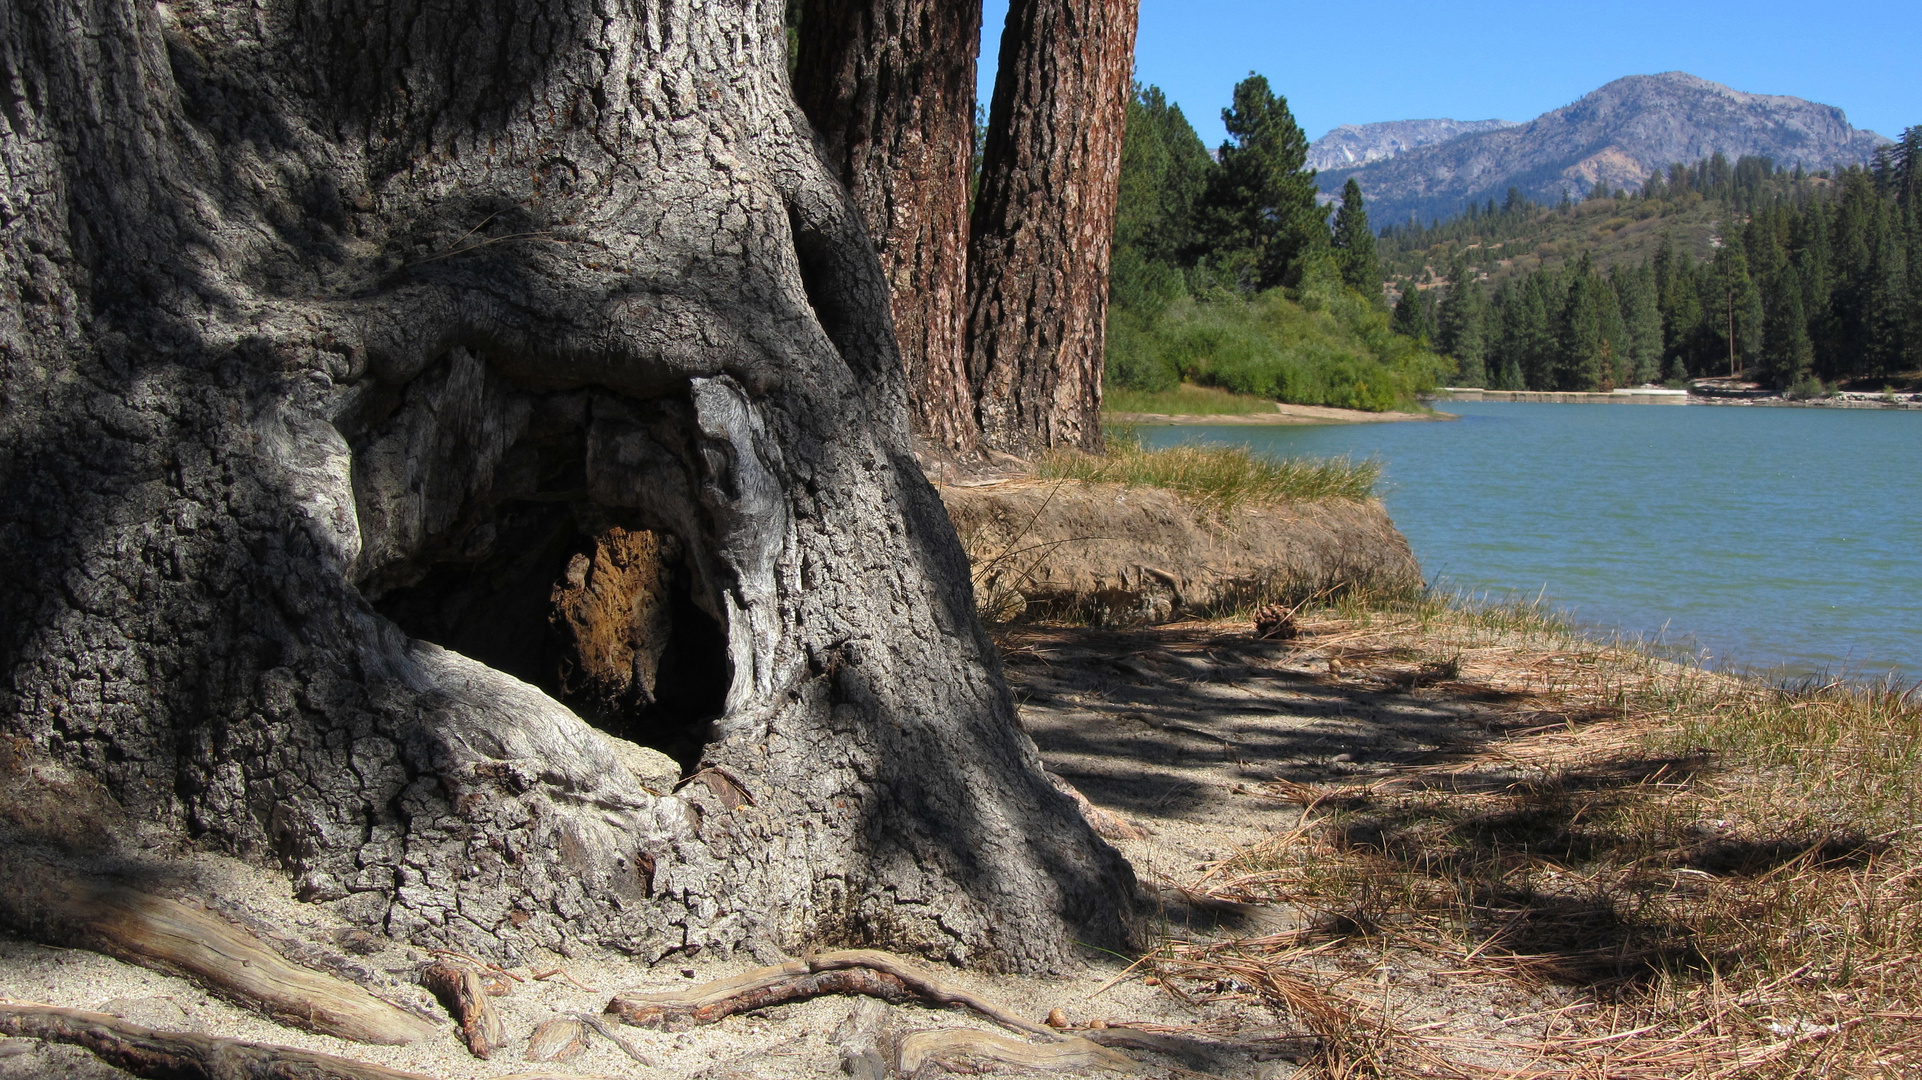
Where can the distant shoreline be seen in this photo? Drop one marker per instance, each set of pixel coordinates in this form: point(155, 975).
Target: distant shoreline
point(1680, 397)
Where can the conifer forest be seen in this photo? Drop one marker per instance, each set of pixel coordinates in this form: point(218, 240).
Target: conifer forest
point(1228, 273)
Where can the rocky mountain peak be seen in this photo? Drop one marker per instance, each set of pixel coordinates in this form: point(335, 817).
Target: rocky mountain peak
point(1613, 136)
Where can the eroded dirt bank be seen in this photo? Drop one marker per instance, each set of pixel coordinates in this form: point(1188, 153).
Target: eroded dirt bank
point(1125, 555)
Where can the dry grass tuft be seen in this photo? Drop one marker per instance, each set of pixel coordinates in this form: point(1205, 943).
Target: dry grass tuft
point(1692, 875)
point(1221, 478)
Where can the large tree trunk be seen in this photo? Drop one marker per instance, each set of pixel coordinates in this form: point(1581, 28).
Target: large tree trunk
point(889, 84)
point(1044, 222)
point(332, 335)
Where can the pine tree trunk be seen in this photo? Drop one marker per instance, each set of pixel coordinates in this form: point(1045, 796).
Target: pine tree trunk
point(328, 340)
point(1044, 220)
point(889, 85)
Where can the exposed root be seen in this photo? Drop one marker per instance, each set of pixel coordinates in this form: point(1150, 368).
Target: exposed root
point(145, 1052)
point(50, 904)
point(960, 1044)
point(848, 971)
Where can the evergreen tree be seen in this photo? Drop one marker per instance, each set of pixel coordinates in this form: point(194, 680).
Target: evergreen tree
point(1911, 352)
point(1164, 169)
point(1888, 299)
point(1410, 317)
point(1809, 239)
point(1582, 348)
point(1787, 353)
point(1542, 313)
point(1461, 326)
point(1355, 244)
point(1260, 215)
point(1642, 318)
point(1738, 314)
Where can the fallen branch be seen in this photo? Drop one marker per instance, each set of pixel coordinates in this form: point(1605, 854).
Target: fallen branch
point(50, 904)
point(171, 1055)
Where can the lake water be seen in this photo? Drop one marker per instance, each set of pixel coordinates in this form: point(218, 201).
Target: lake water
point(1766, 538)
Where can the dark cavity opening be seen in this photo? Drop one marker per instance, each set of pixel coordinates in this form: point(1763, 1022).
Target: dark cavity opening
point(600, 616)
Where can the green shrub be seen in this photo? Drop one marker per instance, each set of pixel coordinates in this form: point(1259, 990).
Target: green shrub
point(1320, 344)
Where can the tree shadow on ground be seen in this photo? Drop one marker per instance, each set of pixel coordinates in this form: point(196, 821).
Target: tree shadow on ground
point(1402, 775)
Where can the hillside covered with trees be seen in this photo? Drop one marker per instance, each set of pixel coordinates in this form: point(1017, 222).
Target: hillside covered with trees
point(1228, 272)
point(1790, 278)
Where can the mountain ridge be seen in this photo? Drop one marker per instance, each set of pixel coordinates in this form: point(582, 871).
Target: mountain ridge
point(1613, 136)
point(1361, 144)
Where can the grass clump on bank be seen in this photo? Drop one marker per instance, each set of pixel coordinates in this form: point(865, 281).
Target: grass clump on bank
point(1221, 478)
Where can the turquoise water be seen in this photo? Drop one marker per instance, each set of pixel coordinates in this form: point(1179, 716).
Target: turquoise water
point(1767, 539)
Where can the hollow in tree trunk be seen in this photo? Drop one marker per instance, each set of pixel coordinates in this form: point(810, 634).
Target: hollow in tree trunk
point(1044, 222)
point(342, 356)
point(889, 84)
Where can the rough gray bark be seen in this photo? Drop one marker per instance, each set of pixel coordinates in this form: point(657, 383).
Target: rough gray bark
point(1044, 223)
point(326, 322)
point(889, 85)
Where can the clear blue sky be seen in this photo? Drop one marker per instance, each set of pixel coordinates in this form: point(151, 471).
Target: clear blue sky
point(1360, 62)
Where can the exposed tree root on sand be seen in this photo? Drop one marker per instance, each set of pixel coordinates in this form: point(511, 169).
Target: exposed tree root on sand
point(50, 904)
point(848, 971)
point(143, 1051)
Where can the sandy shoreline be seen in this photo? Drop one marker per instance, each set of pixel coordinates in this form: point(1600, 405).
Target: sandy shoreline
point(1283, 414)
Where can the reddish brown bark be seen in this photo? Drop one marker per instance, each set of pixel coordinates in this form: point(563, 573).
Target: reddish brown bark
point(1043, 223)
point(889, 85)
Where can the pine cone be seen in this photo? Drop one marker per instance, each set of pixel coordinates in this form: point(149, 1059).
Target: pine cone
point(1275, 621)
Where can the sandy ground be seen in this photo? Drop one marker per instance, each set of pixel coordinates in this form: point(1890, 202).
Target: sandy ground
point(1283, 414)
point(1179, 730)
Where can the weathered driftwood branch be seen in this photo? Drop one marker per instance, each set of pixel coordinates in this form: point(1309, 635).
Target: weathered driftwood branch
point(143, 1051)
point(461, 988)
point(848, 971)
point(757, 989)
point(952, 1044)
point(53, 905)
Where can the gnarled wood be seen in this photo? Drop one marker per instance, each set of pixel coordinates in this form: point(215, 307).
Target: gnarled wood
point(461, 989)
point(170, 1055)
point(715, 1002)
point(49, 904)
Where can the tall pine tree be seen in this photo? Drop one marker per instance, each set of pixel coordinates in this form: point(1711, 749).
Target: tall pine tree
point(1355, 244)
point(1260, 217)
